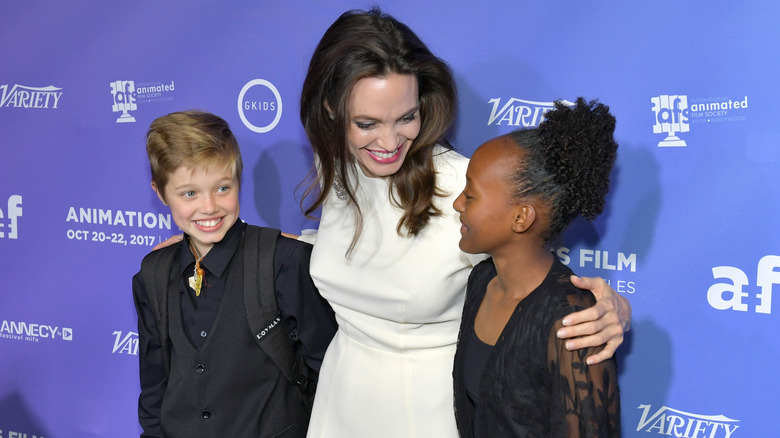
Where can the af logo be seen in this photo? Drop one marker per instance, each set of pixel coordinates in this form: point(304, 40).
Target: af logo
point(13, 212)
point(125, 100)
point(671, 116)
point(730, 295)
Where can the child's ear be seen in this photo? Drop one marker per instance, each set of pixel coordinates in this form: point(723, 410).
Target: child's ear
point(524, 218)
point(159, 193)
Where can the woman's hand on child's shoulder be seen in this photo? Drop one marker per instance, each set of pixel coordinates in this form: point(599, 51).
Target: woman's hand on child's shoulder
point(171, 240)
point(602, 324)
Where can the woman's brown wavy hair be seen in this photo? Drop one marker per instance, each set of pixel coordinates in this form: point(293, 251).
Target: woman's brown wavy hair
point(359, 45)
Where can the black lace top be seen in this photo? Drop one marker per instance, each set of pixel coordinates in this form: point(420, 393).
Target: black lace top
point(531, 385)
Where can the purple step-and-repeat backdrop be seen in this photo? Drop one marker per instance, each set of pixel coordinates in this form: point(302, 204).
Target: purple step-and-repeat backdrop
point(690, 234)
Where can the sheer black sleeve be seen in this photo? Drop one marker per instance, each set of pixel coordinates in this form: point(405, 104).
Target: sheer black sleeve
point(585, 398)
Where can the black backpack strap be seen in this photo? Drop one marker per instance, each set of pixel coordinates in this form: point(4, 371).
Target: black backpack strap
point(262, 310)
point(157, 271)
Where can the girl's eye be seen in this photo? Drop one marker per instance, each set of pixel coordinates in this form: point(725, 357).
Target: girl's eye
point(223, 189)
point(188, 194)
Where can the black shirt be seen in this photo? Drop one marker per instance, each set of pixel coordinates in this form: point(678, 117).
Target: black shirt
point(531, 385)
point(303, 310)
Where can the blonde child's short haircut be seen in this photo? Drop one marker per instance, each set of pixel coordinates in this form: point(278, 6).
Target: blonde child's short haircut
point(194, 139)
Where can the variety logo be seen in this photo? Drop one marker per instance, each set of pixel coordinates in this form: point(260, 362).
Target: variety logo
point(21, 96)
point(127, 96)
point(674, 115)
point(25, 331)
point(730, 294)
point(11, 218)
point(125, 343)
point(519, 112)
point(260, 105)
point(672, 422)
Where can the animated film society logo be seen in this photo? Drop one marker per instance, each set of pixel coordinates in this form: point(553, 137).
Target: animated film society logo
point(603, 260)
point(519, 112)
point(125, 343)
point(22, 96)
point(30, 332)
point(9, 221)
point(127, 96)
point(673, 115)
point(730, 293)
point(260, 105)
point(672, 422)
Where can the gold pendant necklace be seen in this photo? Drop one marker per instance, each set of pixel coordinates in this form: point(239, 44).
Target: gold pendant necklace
point(196, 281)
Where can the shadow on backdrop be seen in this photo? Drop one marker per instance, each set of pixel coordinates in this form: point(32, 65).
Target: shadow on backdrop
point(276, 175)
point(15, 416)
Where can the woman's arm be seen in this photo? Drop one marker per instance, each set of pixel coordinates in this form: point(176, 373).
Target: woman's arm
point(602, 324)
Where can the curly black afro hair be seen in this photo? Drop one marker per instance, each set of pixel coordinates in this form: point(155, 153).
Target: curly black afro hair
point(568, 161)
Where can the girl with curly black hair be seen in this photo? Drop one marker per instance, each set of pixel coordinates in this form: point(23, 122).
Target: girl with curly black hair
point(513, 376)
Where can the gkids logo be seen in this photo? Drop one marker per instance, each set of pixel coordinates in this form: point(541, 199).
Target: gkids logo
point(125, 343)
point(9, 222)
point(125, 100)
point(671, 422)
point(671, 117)
point(260, 105)
point(22, 96)
point(730, 295)
point(518, 112)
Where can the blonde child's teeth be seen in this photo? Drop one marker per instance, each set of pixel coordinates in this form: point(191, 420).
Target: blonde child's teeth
point(210, 223)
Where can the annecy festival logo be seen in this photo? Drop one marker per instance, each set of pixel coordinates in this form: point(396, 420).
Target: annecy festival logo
point(21, 96)
point(32, 332)
point(671, 117)
point(9, 222)
point(124, 100)
point(671, 422)
point(260, 105)
point(519, 112)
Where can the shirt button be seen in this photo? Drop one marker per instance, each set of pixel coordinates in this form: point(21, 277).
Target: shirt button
point(206, 414)
point(199, 368)
point(203, 334)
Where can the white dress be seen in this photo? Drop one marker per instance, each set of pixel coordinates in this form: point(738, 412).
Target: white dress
point(398, 303)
